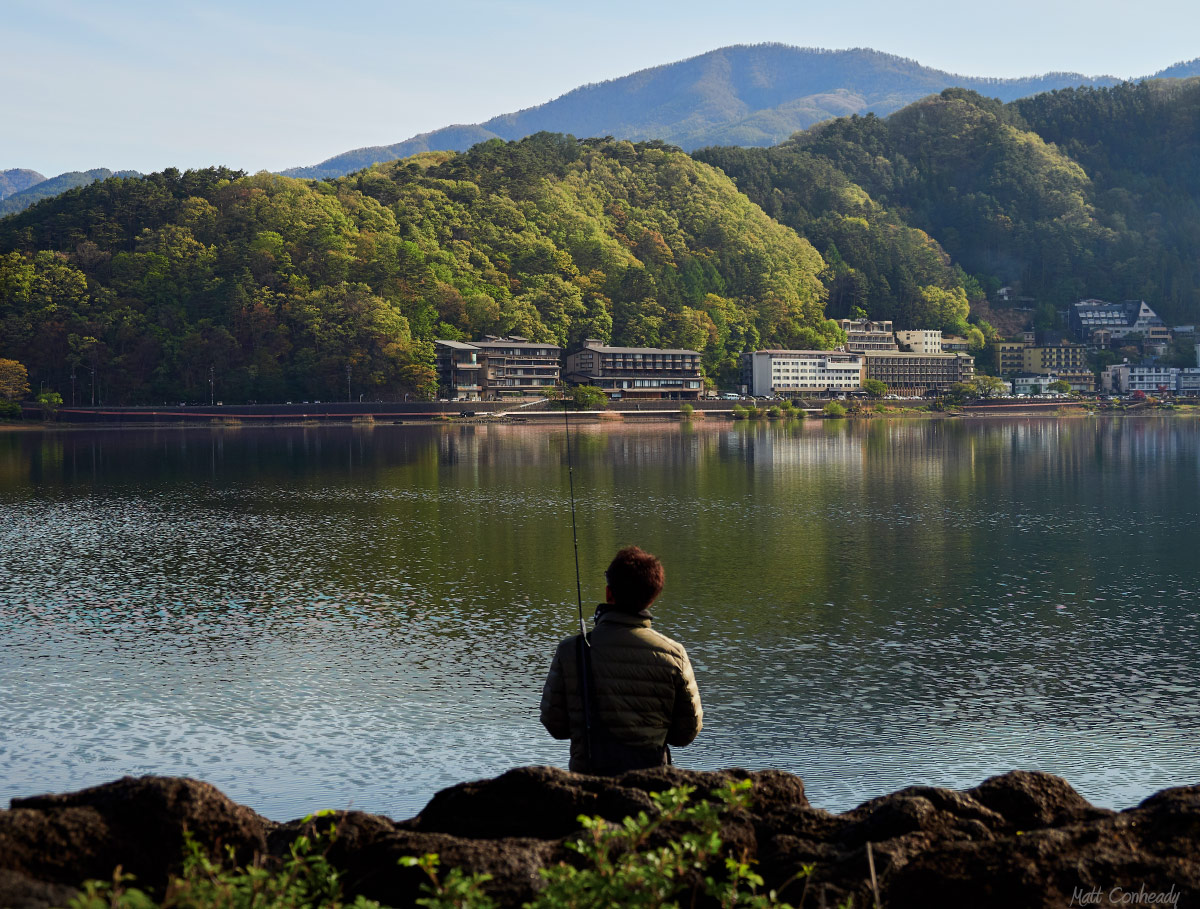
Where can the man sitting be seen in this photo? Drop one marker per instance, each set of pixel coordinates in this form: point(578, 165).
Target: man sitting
point(630, 694)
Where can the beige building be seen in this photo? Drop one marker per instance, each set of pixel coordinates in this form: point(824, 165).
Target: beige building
point(637, 372)
point(791, 373)
point(1010, 357)
point(863, 335)
point(917, 374)
point(1062, 358)
point(920, 340)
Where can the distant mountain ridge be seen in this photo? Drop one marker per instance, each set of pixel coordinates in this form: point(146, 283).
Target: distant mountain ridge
point(748, 95)
point(48, 188)
point(17, 179)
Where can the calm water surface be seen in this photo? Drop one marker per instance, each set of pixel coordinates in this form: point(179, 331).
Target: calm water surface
point(358, 617)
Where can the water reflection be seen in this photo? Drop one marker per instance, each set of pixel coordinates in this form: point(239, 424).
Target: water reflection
point(359, 616)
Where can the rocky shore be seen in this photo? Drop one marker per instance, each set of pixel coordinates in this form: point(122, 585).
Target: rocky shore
point(1017, 840)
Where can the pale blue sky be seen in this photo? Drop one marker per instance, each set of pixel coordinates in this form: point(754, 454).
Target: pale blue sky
point(266, 85)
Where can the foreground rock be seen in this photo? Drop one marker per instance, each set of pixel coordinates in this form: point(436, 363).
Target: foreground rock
point(1017, 840)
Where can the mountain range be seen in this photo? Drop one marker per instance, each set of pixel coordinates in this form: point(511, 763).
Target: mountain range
point(16, 180)
point(755, 95)
point(277, 285)
point(20, 189)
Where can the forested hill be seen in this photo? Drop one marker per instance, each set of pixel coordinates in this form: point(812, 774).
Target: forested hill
point(277, 285)
point(43, 188)
point(743, 95)
point(1076, 193)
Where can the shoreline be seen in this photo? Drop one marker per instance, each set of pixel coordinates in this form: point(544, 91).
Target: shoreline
point(145, 418)
point(1019, 839)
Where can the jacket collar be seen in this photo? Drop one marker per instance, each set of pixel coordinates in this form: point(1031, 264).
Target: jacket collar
point(606, 613)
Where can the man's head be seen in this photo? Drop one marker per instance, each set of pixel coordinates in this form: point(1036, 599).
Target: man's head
point(635, 579)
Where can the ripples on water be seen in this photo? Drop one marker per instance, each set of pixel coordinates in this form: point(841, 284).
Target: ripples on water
point(345, 617)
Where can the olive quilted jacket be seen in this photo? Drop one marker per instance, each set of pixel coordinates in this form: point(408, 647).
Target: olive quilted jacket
point(645, 692)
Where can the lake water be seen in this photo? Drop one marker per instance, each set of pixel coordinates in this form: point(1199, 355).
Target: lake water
point(357, 617)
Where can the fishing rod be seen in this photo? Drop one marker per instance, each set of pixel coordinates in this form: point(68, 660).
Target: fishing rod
point(574, 532)
point(582, 645)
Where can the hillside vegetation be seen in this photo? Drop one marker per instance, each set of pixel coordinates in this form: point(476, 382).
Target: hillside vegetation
point(273, 287)
point(278, 285)
point(1090, 192)
point(43, 188)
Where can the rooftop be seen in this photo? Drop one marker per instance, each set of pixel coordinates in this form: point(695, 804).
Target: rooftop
point(507, 342)
point(901, 354)
point(603, 348)
point(811, 353)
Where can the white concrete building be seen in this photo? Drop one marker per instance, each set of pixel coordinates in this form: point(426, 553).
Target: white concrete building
point(1032, 384)
point(1152, 380)
point(1188, 382)
point(801, 372)
point(920, 341)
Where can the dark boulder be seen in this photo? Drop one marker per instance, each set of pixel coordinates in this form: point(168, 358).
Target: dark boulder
point(545, 802)
point(1017, 840)
point(137, 823)
point(1029, 801)
point(367, 849)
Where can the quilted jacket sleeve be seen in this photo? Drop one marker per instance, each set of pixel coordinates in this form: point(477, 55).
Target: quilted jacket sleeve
point(554, 712)
point(687, 718)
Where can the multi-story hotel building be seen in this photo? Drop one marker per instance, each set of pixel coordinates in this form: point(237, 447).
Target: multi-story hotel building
point(1152, 379)
point(637, 372)
point(1132, 319)
point(1058, 359)
point(496, 368)
point(920, 340)
point(954, 344)
point(458, 368)
point(1010, 357)
point(863, 335)
point(917, 374)
point(515, 367)
point(768, 373)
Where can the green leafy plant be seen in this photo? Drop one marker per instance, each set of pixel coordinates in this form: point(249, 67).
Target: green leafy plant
point(306, 880)
point(647, 861)
point(457, 890)
point(50, 401)
point(834, 409)
point(587, 397)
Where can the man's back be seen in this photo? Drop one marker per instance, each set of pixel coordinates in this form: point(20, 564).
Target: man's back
point(643, 690)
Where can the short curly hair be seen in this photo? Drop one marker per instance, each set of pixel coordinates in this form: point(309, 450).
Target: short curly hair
point(635, 577)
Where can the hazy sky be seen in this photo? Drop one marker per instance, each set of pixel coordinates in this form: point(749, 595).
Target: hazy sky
point(147, 84)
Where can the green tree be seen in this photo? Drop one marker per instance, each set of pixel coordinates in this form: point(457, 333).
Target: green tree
point(874, 387)
point(1061, 386)
point(834, 409)
point(587, 397)
point(50, 402)
point(986, 387)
